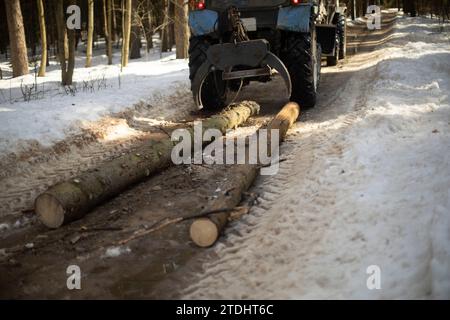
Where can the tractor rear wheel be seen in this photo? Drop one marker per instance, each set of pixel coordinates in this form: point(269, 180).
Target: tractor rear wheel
point(342, 34)
point(214, 89)
point(302, 58)
point(333, 60)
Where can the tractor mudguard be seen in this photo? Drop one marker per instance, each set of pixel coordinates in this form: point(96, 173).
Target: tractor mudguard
point(203, 22)
point(295, 19)
point(252, 54)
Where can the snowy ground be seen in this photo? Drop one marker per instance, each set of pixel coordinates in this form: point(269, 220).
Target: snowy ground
point(54, 113)
point(367, 182)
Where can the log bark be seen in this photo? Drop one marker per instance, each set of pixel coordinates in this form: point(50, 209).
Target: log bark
point(72, 199)
point(205, 231)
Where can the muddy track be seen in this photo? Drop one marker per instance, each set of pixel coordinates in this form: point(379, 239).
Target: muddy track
point(29, 172)
point(162, 260)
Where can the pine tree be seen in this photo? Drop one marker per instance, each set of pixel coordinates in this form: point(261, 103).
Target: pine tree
point(43, 31)
point(90, 33)
point(19, 57)
point(126, 31)
point(135, 36)
point(181, 29)
point(107, 16)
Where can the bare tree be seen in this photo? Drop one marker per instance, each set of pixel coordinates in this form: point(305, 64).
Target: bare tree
point(107, 14)
point(41, 12)
point(19, 58)
point(135, 35)
point(90, 34)
point(149, 27)
point(165, 46)
point(65, 48)
point(126, 31)
point(181, 29)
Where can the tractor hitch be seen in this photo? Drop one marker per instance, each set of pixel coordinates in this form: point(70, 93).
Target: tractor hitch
point(240, 60)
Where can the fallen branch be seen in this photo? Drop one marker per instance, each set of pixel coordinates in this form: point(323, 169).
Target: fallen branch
point(234, 213)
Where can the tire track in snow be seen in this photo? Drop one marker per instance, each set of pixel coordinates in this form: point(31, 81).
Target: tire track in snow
point(313, 236)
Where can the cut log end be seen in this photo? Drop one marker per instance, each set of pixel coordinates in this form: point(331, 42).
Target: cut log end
point(204, 232)
point(49, 210)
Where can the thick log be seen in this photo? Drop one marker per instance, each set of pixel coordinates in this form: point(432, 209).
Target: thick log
point(71, 200)
point(205, 231)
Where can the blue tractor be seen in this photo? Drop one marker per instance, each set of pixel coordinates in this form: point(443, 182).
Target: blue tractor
point(234, 42)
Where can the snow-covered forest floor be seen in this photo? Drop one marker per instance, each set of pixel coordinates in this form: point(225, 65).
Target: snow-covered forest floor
point(39, 112)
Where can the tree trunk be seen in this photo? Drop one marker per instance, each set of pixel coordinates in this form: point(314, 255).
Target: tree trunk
point(66, 40)
point(126, 32)
point(71, 44)
point(17, 42)
point(61, 32)
point(43, 31)
point(114, 36)
point(181, 30)
point(107, 14)
point(171, 26)
point(71, 200)
point(90, 33)
point(66, 44)
point(149, 23)
point(165, 30)
point(205, 231)
point(135, 36)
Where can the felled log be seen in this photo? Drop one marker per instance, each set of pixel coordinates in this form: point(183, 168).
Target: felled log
point(71, 200)
point(205, 231)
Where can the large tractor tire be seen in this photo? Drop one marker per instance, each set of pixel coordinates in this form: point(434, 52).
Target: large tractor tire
point(333, 60)
point(342, 34)
point(214, 89)
point(302, 58)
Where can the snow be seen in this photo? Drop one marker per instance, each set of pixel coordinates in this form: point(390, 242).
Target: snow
point(367, 184)
point(102, 90)
point(115, 252)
